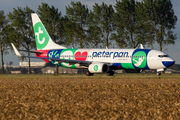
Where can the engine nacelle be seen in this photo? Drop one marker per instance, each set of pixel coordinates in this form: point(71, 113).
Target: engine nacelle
point(98, 68)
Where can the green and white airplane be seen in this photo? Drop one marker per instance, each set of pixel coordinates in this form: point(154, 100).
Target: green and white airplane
point(95, 60)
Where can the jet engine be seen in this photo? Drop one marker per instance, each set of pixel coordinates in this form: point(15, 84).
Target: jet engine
point(98, 68)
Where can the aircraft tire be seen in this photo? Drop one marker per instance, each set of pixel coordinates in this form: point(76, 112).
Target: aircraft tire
point(158, 73)
point(89, 74)
point(110, 73)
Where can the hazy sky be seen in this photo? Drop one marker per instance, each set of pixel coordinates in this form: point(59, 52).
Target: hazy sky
point(8, 5)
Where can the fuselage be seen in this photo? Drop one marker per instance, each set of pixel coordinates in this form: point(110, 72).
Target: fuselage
point(117, 58)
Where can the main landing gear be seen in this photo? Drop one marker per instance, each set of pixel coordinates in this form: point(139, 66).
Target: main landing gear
point(110, 73)
point(89, 74)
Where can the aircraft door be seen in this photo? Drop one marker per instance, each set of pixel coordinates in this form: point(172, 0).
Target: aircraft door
point(151, 57)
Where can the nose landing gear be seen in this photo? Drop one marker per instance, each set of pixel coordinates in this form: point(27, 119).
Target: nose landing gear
point(158, 73)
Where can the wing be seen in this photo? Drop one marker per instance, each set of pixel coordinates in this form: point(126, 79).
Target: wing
point(52, 59)
point(62, 60)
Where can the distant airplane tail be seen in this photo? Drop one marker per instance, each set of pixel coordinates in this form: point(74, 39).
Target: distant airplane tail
point(43, 40)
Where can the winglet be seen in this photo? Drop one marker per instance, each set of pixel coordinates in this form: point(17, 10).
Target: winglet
point(16, 51)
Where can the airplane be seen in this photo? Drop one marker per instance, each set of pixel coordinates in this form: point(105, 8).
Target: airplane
point(95, 60)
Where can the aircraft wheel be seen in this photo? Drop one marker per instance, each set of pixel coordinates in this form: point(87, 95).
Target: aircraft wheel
point(110, 73)
point(89, 74)
point(142, 71)
point(158, 73)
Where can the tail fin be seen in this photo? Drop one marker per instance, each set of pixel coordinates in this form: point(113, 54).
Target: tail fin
point(43, 40)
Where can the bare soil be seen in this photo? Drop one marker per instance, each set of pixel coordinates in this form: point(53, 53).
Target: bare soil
point(129, 96)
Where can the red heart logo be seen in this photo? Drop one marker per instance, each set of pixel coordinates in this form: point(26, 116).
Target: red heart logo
point(79, 56)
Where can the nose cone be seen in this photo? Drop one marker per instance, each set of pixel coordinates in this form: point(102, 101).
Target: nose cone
point(168, 63)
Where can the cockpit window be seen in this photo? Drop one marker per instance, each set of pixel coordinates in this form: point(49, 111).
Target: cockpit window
point(161, 56)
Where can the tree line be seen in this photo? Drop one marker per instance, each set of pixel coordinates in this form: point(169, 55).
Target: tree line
point(126, 24)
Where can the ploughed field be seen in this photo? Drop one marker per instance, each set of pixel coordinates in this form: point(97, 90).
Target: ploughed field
point(123, 96)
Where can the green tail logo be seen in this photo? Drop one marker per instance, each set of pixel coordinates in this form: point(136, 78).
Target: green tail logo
point(41, 36)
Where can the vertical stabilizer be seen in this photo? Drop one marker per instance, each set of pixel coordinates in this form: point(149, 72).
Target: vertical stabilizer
point(43, 40)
